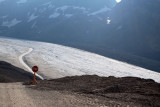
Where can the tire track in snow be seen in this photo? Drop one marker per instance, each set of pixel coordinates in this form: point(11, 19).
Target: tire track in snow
point(25, 65)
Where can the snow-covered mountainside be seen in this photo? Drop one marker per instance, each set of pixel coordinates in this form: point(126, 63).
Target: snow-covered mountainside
point(42, 16)
point(56, 61)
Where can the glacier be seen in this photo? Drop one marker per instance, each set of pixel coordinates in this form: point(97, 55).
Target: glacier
point(55, 61)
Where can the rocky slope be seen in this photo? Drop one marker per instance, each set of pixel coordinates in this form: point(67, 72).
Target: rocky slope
point(10, 73)
point(122, 91)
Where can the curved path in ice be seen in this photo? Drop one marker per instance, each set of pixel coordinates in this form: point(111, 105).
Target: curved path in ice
point(25, 65)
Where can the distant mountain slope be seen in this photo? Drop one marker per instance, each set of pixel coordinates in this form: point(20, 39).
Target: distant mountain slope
point(137, 27)
point(59, 20)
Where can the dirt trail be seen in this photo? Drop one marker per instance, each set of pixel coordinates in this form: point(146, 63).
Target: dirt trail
point(18, 95)
point(14, 95)
point(25, 65)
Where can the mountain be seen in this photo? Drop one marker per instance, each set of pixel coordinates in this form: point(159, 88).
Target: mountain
point(58, 20)
point(137, 24)
point(127, 31)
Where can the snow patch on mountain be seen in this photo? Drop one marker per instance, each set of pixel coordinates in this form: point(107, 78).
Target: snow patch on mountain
point(63, 8)
point(22, 1)
point(42, 10)
point(54, 15)
point(80, 8)
point(108, 20)
point(34, 25)
point(3, 17)
point(47, 3)
point(32, 17)
point(11, 23)
point(100, 18)
point(105, 9)
point(68, 15)
point(51, 6)
point(2, 1)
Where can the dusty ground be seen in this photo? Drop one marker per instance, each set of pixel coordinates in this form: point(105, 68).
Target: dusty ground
point(18, 95)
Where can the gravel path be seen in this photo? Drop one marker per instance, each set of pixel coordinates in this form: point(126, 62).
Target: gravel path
point(18, 95)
